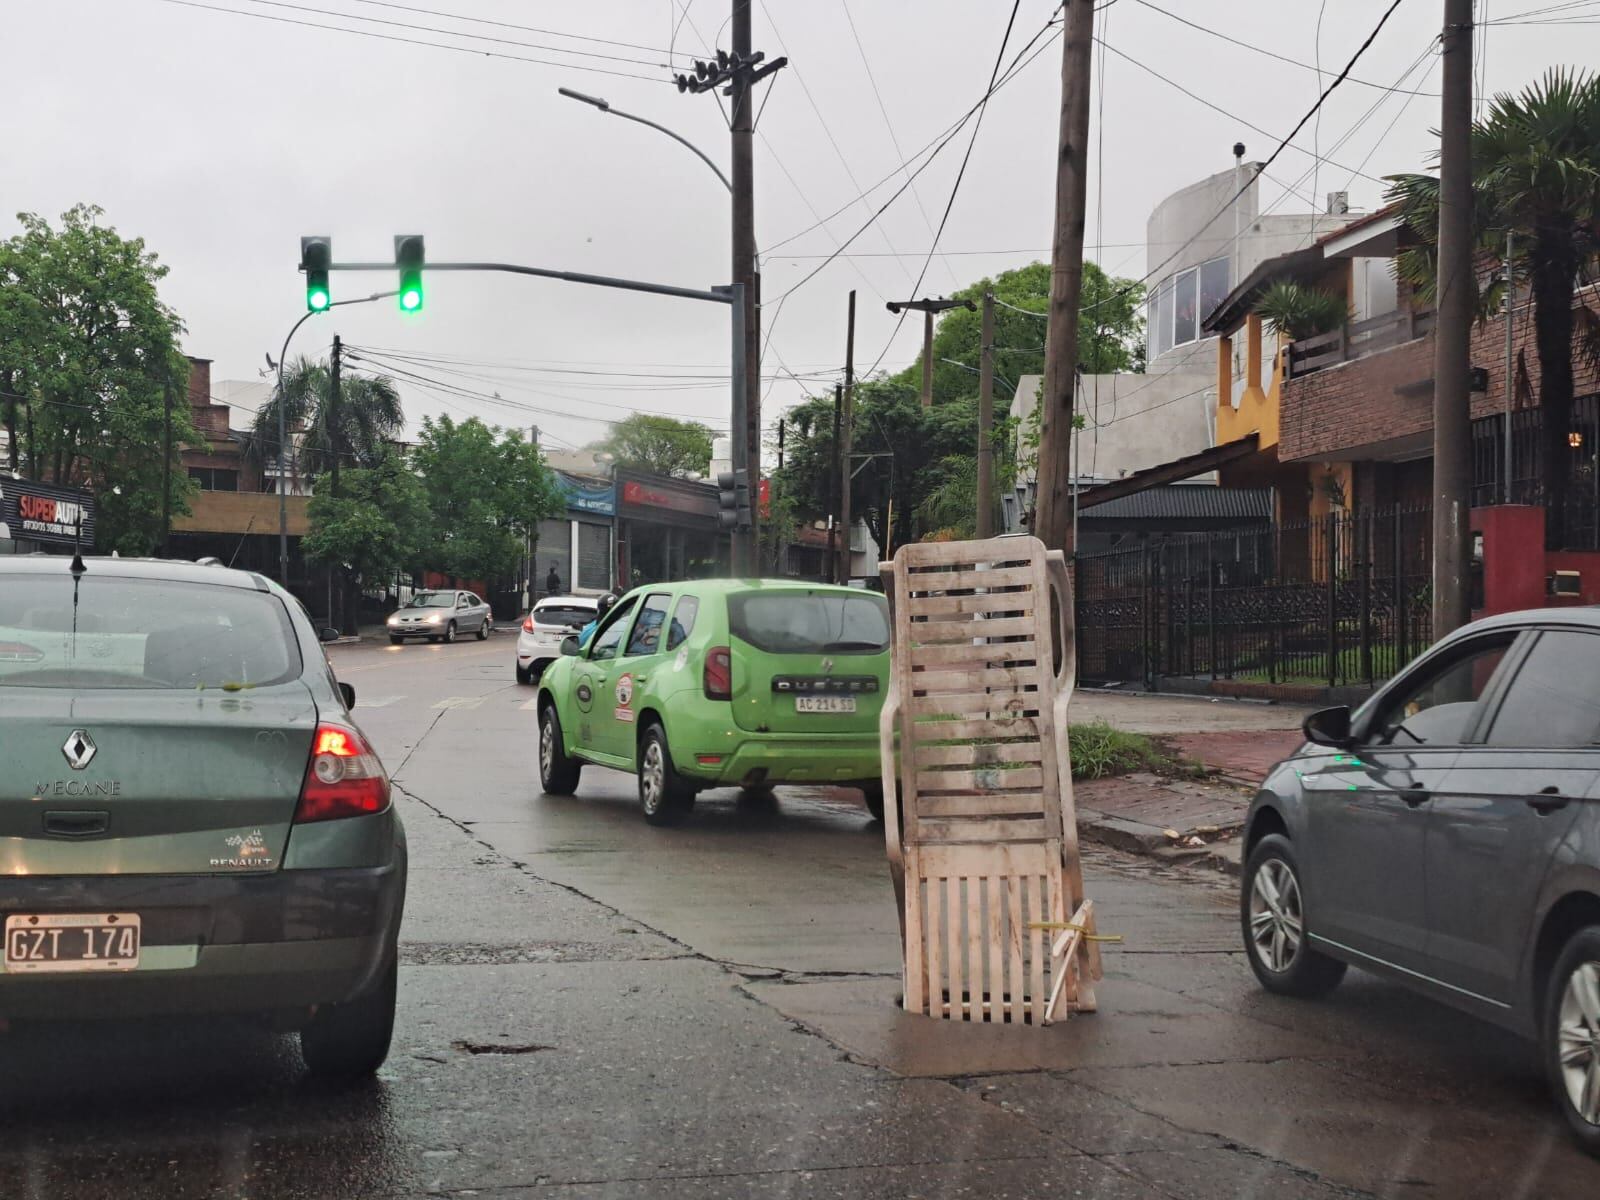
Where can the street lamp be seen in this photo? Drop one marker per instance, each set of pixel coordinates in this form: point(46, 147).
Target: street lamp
point(605, 107)
point(283, 495)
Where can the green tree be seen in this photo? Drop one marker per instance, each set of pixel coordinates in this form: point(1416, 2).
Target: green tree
point(1536, 175)
point(1297, 311)
point(376, 526)
point(370, 417)
point(89, 359)
point(486, 490)
point(661, 445)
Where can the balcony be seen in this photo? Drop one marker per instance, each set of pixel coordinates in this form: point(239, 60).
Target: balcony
point(1356, 340)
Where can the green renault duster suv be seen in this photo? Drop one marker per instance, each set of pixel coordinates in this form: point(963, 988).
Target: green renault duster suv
point(721, 683)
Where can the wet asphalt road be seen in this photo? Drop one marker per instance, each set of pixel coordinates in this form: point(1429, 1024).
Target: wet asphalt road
point(594, 1008)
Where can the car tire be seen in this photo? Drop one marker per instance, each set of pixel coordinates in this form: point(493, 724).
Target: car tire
point(558, 770)
point(1273, 922)
point(395, 640)
point(872, 796)
point(351, 1040)
point(664, 795)
point(484, 630)
point(1572, 1026)
point(524, 676)
point(450, 633)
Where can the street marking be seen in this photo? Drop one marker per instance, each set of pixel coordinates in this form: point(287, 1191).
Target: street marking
point(529, 705)
point(378, 702)
point(460, 702)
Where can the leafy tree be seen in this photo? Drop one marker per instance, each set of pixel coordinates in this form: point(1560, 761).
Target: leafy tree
point(661, 445)
point(375, 527)
point(1296, 311)
point(88, 356)
point(370, 417)
point(486, 491)
point(1536, 175)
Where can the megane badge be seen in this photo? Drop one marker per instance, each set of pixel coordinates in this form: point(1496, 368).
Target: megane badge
point(79, 749)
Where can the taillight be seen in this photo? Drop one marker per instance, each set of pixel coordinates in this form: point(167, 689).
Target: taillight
point(719, 674)
point(343, 779)
point(527, 623)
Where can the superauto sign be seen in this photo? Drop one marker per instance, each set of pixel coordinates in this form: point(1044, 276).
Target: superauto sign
point(41, 512)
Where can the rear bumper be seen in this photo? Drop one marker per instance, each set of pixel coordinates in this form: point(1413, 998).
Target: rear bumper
point(780, 758)
point(217, 943)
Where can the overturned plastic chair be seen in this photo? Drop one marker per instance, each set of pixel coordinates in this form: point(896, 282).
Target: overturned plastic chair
point(978, 814)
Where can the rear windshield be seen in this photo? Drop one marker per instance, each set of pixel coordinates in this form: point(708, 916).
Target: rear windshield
point(103, 632)
point(563, 614)
point(810, 622)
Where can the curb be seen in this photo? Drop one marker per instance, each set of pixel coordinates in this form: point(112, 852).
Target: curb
point(1135, 837)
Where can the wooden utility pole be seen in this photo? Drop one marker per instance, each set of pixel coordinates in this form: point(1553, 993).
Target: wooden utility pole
point(847, 440)
point(1052, 521)
point(335, 397)
point(742, 125)
point(928, 308)
point(986, 422)
point(840, 466)
point(1452, 415)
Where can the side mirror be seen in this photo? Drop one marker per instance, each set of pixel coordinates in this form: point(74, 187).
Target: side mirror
point(327, 633)
point(349, 694)
point(569, 645)
point(1329, 727)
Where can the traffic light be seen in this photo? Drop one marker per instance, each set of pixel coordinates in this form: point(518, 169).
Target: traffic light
point(408, 256)
point(316, 253)
point(733, 500)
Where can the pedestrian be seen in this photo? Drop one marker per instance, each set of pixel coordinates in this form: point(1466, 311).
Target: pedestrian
point(552, 582)
point(603, 606)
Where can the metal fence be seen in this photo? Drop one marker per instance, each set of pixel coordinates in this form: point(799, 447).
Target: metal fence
point(1336, 601)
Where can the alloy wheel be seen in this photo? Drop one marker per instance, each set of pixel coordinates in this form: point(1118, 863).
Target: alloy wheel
point(652, 777)
point(547, 746)
point(1276, 915)
point(1578, 1040)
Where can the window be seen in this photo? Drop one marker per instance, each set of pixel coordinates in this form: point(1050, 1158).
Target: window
point(683, 621)
point(559, 612)
point(1552, 701)
point(1435, 710)
point(594, 556)
point(1186, 300)
point(215, 479)
point(111, 632)
point(646, 637)
point(607, 639)
point(1214, 277)
point(797, 622)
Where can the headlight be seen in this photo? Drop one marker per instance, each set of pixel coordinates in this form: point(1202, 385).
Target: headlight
point(394, 618)
point(434, 619)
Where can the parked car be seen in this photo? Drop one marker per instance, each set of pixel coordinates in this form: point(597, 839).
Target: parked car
point(190, 819)
point(441, 617)
point(721, 683)
point(1447, 835)
point(552, 619)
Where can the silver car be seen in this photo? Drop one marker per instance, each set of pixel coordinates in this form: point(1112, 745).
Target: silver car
point(441, 616)
point(1446, 835)
point(190, 819)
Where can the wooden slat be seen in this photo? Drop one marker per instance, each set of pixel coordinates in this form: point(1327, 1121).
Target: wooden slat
point(954, 581)
point(993, 933)
point(984, 858)
point(934, 935)
point(1015, 985)
point(986, 829)
point(963, 681)
point(916, 979)
point(993, 653)
point(1003, 804)
point(974, 971)
point(978, 754)
point(1020, 602)
point(1036, 948)
point(926, 633)
point(989, 780)
point(1001, 704)
point(993, 550)
point(952, 960)
point(937, 731)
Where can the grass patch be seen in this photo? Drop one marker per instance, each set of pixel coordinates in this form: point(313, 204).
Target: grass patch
point(1100, 749)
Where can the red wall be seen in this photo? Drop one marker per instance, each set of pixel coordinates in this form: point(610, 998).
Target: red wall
point(1517, 567)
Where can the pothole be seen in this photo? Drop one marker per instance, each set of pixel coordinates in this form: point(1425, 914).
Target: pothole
point(499, 1047)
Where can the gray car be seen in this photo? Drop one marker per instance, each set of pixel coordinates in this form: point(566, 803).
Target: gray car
point(190, 819)
point(441, 616)
point(1447, 835)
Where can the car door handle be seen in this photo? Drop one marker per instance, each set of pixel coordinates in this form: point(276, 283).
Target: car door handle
point(640, 678)
point(1413, 796)
point(1548, 800)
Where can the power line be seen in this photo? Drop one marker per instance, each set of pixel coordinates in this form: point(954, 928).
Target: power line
point(577, 37)
point(389, 37)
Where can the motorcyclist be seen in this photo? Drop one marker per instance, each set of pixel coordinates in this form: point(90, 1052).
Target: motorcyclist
point(602, 607)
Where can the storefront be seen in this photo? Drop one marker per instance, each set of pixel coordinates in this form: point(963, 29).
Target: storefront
point(42, 516)
point(667, 529)
point(577, 548)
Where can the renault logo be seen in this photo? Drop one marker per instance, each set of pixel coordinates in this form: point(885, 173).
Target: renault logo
point(79, 749)
point(827, 665)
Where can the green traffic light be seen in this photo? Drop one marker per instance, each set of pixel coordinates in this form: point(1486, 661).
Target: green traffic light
point(411, 299)
point(317, 300)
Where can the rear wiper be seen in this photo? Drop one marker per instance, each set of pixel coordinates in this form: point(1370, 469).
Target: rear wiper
point(839, 647)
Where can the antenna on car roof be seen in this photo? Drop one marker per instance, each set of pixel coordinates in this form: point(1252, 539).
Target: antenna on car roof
point(77, 567)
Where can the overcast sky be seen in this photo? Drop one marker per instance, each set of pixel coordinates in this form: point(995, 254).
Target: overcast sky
point(221, 138)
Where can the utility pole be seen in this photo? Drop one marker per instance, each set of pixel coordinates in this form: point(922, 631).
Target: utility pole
point(840, 465)
point(531, 547)
point(986, 422)
point(1052, 522)
point(1452, 416)
point(1511, 382)
point(166, 471)
point(928, 308)
point(335, 417)
point(847, 439)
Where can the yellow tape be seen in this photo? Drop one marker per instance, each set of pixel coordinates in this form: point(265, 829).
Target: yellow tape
point(1090, 937)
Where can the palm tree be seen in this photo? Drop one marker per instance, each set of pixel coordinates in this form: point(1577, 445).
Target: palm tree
point(1536, 176)
point(370, 416)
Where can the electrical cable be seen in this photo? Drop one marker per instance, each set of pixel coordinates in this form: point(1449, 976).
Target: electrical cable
point(577, 37)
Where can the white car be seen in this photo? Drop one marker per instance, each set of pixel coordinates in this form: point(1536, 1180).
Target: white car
point(552, 619)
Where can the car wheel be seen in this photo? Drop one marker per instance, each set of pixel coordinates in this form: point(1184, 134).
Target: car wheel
point(524, 676)
point(663, 794)
point(351, 1040)
point(1272, 914)
point(396, 640)
point(450, 633)
point(1572, 1036)
point(484, 629)
point(558, 770)
point(872, 794)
